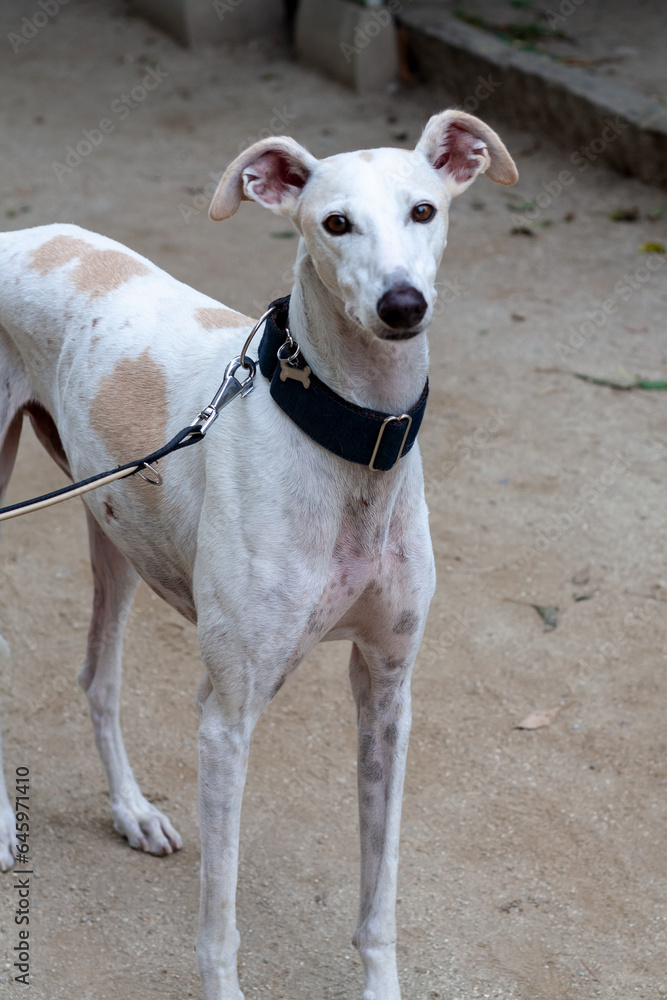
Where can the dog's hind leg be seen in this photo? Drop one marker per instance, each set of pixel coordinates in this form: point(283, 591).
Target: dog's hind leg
point(10, 433)
point(7, 822)
point(115, 585)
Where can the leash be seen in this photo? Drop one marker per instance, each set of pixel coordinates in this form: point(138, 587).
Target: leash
point(229, 389)
point(366, 437)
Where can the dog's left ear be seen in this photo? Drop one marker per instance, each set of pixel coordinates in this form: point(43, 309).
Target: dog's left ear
point(460, 146)
point(272, 172)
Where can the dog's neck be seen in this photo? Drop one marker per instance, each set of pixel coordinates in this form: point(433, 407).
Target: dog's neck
point(379, 374)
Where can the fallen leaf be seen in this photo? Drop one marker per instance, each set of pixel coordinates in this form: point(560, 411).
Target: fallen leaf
point(652, 247)
point(625, 214)
point(640, 383)
point(547, 612)
point(649, 384)
point(538, 719)
point(549, 615)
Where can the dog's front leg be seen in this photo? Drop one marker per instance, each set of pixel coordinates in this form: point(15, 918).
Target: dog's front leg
point(381, 689)
point(224, 741)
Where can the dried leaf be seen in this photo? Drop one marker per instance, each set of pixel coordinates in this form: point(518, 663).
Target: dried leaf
point(536, 720)
point(549, 615)
point(547, 612)
point(653, 246)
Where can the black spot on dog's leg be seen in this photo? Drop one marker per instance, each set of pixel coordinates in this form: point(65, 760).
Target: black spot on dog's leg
point(407, 623)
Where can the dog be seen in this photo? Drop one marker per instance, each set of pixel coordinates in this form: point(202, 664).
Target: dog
point(279, 530)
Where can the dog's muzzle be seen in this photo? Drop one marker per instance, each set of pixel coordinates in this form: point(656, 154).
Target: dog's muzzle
point(402, 309)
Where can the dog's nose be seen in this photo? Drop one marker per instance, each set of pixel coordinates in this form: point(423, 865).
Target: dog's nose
point(402, 307)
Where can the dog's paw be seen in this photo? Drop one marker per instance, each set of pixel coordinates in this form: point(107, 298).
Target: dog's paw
point(145, 827)
point(7, 839)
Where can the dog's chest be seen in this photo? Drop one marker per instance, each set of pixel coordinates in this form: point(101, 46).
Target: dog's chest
point(368, 546)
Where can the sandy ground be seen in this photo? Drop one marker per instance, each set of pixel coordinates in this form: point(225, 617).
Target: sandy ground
point(533, 863)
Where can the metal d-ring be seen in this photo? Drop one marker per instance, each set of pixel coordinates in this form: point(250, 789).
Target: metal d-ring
point(242, 359)
point(289, 344)
point(154, 482)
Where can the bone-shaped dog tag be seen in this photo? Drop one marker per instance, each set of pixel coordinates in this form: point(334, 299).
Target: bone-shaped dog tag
point(300, 374)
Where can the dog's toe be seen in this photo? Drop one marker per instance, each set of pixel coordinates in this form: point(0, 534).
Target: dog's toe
point(160, 836)
point(146, 829)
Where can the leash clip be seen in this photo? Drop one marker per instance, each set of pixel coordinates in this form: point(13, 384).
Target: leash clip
point(229, 390)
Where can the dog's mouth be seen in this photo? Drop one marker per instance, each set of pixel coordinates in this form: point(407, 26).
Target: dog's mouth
point(400, 334)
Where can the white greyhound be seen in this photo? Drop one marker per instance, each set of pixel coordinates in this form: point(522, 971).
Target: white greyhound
point(278, 531)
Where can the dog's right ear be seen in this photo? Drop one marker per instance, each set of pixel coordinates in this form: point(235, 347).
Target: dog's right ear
point(273, 172)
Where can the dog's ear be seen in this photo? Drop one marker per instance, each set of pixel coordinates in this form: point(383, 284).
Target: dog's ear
point(273, 172)
point(460, 146)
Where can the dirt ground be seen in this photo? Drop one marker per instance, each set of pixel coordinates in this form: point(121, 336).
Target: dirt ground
point(533, 862)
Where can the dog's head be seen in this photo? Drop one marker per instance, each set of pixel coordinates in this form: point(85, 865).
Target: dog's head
point(374, 222)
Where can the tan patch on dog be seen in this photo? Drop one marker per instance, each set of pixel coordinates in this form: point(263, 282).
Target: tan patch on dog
point(130, 407)
point(366, 156)
point(215, 319)
point(56, 252)
point(98, 271)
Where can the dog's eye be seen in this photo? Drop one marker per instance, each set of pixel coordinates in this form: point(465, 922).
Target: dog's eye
point(423, 212)
point(337, 224)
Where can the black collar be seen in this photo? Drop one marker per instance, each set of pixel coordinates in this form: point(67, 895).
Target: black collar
point(356, 434)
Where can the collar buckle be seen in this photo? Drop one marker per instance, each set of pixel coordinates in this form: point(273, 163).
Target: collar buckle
point(388, 420)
